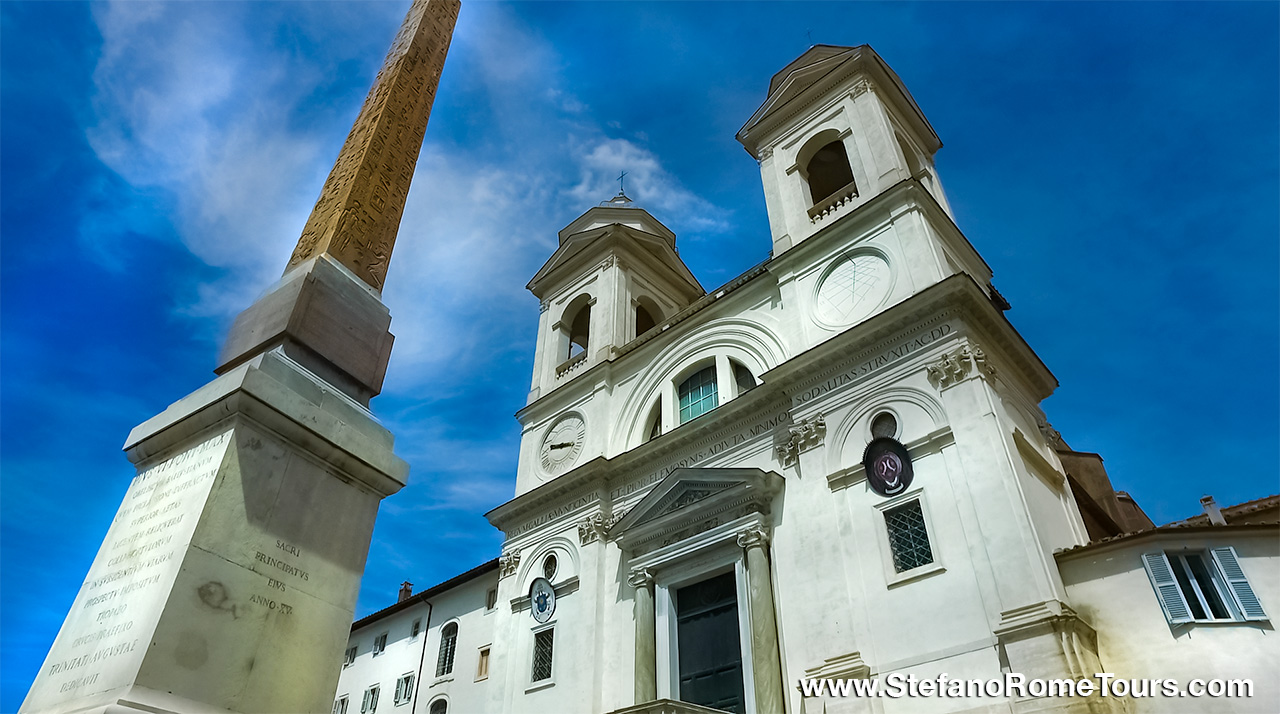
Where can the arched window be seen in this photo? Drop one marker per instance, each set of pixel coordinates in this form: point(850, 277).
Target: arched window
point(448, 643)
point(580, 331)
point(743, 377)
point(644, 321)
point(828, 171)
point(698, 394)
point(655, 422)
point(909, 154)
point(439, 706)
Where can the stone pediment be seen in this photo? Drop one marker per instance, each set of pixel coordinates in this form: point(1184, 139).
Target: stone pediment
point(601, 241)
point(818, 62)
point(689, 501)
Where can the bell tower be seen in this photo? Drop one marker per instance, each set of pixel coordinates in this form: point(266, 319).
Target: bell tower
point(615, 275)
point(837, 129)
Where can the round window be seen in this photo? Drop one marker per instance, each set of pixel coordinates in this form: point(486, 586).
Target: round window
point(549, 566)
point(884, 424)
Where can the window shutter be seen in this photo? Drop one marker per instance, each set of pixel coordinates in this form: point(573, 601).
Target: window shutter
point(1166, 586)
point(1230, 567)
point(399, 690)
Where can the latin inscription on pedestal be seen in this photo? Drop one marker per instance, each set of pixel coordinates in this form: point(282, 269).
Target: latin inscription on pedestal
point(110, 624)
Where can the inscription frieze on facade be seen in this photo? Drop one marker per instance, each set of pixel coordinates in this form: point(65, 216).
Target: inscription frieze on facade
point(877, 358)
point(704, 452)
point(958, 364)
point(358, 213)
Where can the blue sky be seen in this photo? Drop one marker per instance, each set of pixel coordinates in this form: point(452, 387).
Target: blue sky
point(1116, 164)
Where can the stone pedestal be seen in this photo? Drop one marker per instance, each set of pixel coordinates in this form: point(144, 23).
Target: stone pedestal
point(228, 579)
point(1048, 640)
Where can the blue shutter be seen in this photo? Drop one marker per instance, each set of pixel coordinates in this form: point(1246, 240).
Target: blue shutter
point(1239, 585)
point(1167, 590)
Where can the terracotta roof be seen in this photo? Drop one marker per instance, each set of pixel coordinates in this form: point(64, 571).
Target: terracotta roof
point(426, 594)
point(1235, 512)
point(1194, 524)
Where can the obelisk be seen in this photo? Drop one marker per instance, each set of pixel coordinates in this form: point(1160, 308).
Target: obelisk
point(228, 578)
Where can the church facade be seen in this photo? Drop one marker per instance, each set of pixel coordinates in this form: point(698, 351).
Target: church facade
point(832, 468)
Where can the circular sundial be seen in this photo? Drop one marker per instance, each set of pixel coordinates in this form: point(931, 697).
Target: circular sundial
point(852, 288)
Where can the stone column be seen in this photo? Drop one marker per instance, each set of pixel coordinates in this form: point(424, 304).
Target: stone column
point(646, 656)
point(765, 662)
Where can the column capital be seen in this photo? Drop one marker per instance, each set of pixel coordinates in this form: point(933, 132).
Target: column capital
point(508, 563)
point(640, 578)
point(752, 537)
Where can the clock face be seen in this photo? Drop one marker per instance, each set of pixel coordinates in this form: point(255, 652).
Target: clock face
point(562, 444)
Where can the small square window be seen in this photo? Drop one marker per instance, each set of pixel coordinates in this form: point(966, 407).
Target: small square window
point(340, 705)
point(404, 689)
point(491, 599)
point(543, 643)
point(379, 644)
point(908, 537)
point(349, 657)
point(370, 703)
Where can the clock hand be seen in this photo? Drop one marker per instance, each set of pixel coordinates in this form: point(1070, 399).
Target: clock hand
point(563, 445)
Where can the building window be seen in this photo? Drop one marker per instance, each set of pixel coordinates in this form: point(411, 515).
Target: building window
point(416, 628)
point(908, 537)
point(340, 705)
point(448, 643)
point(439, 706)
point(543, 643)
point(349, 657)
point(744, 379)
point(884, 425)
point(491, 599)
point(644, 320)
point(370, 703)
point(698, 394)
point(828, 172)
point(1202, 586)
point(655, 421)
point(580, 332)
point(482, 664)
point(404, 689)
point(549, 565)
point(379, 644)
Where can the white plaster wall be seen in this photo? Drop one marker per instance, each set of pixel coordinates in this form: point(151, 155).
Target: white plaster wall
point(401, 656)
point(1111, 591)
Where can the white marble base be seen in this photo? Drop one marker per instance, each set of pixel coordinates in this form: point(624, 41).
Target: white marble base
point(229, 577)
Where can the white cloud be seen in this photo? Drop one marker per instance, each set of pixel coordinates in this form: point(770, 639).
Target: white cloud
point(188, 102)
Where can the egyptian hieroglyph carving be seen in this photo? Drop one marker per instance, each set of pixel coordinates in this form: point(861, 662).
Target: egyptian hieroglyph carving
point(358, 213)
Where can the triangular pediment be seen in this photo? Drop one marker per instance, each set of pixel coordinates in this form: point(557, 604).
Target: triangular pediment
point(596, 243)
point(795, 78)
point(695, 496)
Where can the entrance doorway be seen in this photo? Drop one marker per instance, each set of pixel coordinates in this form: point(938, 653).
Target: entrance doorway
point(708, 644)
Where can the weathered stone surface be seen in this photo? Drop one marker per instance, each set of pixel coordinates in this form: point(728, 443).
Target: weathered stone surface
point(359, 210)
point(229, 576)
point(324, 318)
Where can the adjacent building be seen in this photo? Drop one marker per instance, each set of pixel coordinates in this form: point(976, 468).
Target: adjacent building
point(833, 467)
